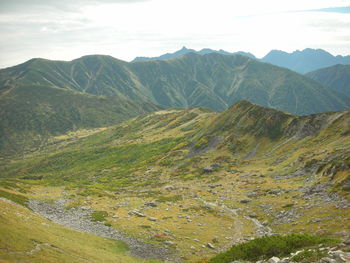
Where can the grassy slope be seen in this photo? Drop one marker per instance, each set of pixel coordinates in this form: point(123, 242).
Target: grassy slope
point(336, 77)
point(146, 159)
point(31, 114)
point(213, 80)
point(26, 237)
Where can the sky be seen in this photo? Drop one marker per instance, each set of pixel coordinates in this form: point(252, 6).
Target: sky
point(66, 29)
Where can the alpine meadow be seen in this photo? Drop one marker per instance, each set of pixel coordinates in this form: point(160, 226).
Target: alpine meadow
point(201, 155)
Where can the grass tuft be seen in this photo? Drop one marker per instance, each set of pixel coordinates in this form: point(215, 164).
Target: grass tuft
point(19, 199)
point(99, 216)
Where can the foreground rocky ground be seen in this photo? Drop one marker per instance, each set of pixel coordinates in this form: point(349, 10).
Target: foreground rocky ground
point(80, 220)
point(333, 255)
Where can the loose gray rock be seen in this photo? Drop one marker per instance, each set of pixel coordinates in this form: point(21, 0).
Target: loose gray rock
point(80, 220)
point(209, 245)
point(245, 201)
point(151, 204)
point(208, 169)
point(328, 260)
point(274, 260)
point(169, 243)
point(136, 213)
point(347, 241)
point(252, 195)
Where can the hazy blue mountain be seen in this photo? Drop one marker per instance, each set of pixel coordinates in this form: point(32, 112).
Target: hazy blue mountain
point(337, 77)
point(304, 61)
point(300, 61)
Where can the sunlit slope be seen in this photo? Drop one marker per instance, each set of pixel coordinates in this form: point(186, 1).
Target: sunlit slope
point(27, 237)
point(242, 132)
point(201, 177)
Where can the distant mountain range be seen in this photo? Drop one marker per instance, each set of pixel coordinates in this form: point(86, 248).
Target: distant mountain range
point(306, 60)
point(336, 77)
point(42, 98)
point(300, 61)
point(213, 80)
point(185, 51)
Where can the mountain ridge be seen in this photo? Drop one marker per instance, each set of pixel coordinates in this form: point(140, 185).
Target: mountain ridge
point(306, 60)
point(301, 61)
point(213, 80)
point(185, 51)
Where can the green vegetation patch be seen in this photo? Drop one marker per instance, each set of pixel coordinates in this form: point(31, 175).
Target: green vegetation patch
point(269, 246)
point(99, 216)
point(19, 199)
point(172, 198)
point(108, 165)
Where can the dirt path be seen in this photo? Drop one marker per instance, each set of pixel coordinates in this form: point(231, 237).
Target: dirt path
point(260, 229)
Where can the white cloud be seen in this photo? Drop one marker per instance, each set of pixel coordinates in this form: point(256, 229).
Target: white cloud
point(61, 30)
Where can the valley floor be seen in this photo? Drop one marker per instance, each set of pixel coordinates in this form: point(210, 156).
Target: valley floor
point(171, 186)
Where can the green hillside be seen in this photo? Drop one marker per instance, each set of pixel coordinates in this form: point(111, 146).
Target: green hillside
point(336, 77)
point(36, 239)
point(211, 80)
point(31, 115)
point(200, 181)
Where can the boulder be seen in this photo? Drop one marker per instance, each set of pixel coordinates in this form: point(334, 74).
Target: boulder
point(209, 245)
point(208, 169)
point(170, 188)
point(274, 191)
point(328, 260)
point(340, 256)
point(169, 243)
point(252, 195)
point(273, 260)
point(347, 241)
point(136, 213)
point(151, 204)
point(245, 201)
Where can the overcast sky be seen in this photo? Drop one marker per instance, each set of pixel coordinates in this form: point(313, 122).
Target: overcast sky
point(68, 29)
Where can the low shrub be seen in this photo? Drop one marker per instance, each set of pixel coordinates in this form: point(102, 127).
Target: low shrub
point(269, 246)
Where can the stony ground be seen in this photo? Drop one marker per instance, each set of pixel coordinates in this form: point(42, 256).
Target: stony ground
point(80, 220)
